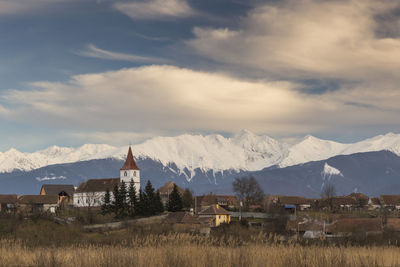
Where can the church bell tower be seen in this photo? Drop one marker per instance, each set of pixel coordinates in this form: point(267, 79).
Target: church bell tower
point(130, 171)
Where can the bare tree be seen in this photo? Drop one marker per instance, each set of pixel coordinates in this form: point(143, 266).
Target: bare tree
point(328, 192)
point(248, 190)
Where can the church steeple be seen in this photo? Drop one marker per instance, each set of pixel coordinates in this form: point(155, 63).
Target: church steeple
point(130, 163)
point(130, 171)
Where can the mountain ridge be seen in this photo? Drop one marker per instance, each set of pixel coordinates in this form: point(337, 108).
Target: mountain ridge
point(244, 151)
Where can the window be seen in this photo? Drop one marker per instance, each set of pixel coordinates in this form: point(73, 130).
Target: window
point(125, 173)
point(134, 173)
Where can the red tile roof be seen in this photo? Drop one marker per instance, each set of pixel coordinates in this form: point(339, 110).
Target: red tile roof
point(8, 199)
point(98, 185)
point(130, 163)
point(38, 199)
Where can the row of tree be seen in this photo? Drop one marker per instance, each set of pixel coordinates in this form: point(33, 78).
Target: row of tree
point(126, 202)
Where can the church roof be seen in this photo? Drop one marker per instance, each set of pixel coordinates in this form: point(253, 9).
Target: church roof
point(55, 189)
point(98, 185)
point(130, 163)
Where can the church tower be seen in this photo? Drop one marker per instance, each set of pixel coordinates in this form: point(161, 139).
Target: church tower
point(130, 171)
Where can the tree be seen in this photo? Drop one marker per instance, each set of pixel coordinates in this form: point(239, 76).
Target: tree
point(329, 191)
point(150, 205)
point(187, 199)
point(133, 200)
point(140, 205)
point(248, 190)
point(115, 202)
point(174, 200)
point(159, 207)
point(106, 206)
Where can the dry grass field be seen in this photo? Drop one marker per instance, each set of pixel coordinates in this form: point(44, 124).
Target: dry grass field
point(188, 250)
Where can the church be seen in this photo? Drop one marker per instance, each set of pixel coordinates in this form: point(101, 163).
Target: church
point(91, 193)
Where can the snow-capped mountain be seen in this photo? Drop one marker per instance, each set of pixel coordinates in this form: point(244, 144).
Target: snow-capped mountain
point(243, 152)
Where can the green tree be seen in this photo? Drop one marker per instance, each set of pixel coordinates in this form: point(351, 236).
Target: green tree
point(187, 199)
point(174, 200)
point(106, 206)
point(122, 200)
point(133, 199)
point(159, 206)
point(140, 205)
point(150, 205)
point(114, 205)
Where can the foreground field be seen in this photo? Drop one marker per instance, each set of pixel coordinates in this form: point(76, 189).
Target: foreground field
point(187, 250)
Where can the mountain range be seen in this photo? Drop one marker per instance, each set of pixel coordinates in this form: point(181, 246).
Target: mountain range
point(210, 163)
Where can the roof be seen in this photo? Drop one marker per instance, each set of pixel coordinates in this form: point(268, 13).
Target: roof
point(337, 201)
point(390, 199)
point(130, 163)
point(295, 200)
point(55, 189)
point(98, 185)
point(358, 196)
point(211, 199)
point(8, 199)
point(168, 187)
point(38, 199)
point(214, 210)
point(375, 201)
point(181, 217)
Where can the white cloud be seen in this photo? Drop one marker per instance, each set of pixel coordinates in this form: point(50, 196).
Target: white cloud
point(165, 99)
point(95, 52)
point(155, 9)
point(308, 39)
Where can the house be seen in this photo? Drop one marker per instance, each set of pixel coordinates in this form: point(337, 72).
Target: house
point(217, 213)
point(166, 190)
point(183, 221)
point(225, 201)
point(339, 202)
point(361, 200)
point(38, 203)
point(390, 201)
point(91, 193)
point(64, 192)
point(8, 203)
point(374, 203)
point(290, 202)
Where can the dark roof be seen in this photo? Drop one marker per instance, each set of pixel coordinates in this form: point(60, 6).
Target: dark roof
point(38, 199)
point(214, 210)
point(168, 187)
point(55, 189)
point(8, 199)
point(375, 201)
point(358, 196)
point(181, 217)
point(390, 199)
point(294, 200)
point(98, 185)
point(130, 163)
point(211, 199)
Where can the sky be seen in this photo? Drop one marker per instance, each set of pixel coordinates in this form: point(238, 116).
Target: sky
point(121, 71)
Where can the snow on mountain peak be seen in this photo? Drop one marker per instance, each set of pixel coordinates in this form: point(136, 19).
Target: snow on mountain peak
point(243, 151)
point(329, 171)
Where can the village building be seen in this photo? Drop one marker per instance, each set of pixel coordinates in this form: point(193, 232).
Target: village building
point(390, 202)
point(374, 203)
point(38, 203)
point(166, 190)
point(218, 214)
point(64, 192)
point(8, 203)
point(289, 202)
point(91, 193)
point(224, 201)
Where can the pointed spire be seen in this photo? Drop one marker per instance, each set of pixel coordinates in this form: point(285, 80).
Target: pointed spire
point(130, 163)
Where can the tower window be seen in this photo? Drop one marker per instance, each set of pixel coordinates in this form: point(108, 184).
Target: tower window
point(125, 173)
point(134, 173)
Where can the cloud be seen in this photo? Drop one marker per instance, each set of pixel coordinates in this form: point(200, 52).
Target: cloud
point(95, 52)
point(295, 39)
point(155, 9)
point(167, 99)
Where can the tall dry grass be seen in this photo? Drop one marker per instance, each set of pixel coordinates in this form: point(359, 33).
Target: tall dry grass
point(189, 250)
